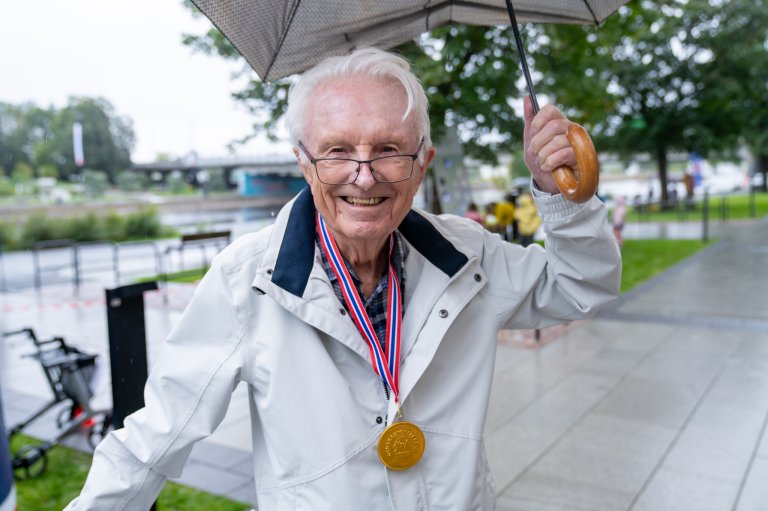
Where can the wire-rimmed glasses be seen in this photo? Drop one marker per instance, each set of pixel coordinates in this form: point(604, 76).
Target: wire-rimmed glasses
point(385, 169)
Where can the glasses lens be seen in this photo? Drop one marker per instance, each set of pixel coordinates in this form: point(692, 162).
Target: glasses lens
point(392, 168)
point(336, 172)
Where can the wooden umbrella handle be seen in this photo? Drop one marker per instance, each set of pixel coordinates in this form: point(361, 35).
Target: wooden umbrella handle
point(589, 168)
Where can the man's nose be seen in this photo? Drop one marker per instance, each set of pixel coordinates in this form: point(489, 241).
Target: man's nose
point(365, 178)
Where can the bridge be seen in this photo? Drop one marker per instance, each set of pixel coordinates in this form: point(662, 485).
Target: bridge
point(251, 175)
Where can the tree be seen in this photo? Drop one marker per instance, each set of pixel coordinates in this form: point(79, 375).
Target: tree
point(22, 129)
point(673, 75)
point(42, 137)
point(107, 138)
point(735, 76)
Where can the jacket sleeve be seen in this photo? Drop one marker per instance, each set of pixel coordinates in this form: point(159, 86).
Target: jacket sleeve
point(186, 397)
point(577, 272)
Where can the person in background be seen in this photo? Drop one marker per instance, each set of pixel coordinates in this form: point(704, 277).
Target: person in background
point(505, 216)
point(473, 213)
point(490, 222)
point(528, 219)
point(618, 216)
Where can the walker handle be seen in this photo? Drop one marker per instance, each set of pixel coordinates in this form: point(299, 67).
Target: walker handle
point(589, 168)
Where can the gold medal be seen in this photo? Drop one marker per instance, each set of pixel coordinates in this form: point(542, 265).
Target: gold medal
point(401, 445)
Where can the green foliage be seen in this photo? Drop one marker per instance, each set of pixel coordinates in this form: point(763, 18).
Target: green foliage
point(7, 235)
point(660, 77)
point(48, 170)
point(114, 226)
point(143, 224)
point(177, 185)
point(66, 473)
point(6, 187)
point(22, 172)
point(94, 183)
point(41, 137)
point(38, 227)
point(129, 181)
point(82, 228)
point(140, 225)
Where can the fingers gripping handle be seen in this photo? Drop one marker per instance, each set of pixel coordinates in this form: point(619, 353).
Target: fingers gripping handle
point(589, 168)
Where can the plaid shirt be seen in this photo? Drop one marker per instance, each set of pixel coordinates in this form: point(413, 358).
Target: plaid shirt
point(376, 304)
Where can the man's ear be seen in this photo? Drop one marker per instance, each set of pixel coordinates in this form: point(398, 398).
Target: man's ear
point(306, 168)
point(429, 155)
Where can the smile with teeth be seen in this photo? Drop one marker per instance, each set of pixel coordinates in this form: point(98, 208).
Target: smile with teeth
point(359, 201)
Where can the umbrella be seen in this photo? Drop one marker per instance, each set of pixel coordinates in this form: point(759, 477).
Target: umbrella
point(282, 37)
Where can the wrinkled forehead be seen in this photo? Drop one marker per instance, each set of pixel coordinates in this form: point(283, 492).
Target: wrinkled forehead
point(358, 102)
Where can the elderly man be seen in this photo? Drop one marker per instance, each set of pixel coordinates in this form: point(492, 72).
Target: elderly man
point(364, 329)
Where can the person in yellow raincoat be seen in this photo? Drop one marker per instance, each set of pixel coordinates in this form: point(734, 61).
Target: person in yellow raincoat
point(528, 219)
point(505, 215)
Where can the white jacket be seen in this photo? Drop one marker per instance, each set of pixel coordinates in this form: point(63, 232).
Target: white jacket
point(266, 314)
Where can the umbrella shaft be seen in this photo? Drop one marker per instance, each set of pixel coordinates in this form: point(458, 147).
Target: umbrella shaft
point(523, 58)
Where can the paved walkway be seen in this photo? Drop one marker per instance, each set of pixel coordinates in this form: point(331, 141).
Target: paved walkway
point(658, 403)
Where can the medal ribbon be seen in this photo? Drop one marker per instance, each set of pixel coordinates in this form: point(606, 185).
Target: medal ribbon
point(386, 365)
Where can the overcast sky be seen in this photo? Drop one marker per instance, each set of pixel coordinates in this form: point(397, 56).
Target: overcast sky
point(130, 53)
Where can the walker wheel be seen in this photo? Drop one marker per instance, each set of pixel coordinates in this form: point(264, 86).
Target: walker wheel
point(29, 462)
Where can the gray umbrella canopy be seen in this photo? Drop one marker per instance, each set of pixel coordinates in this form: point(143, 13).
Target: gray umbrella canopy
point(282, 37)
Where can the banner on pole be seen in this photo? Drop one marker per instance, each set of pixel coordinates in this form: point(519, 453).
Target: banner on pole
point(77, 143)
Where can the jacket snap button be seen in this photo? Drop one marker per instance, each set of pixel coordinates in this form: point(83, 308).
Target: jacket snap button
point(478, 277)
point(269, 271)
point(379, 420)
point(443, 313)
point(343, 311)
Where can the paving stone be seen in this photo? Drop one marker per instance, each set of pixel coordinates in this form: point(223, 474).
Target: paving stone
point(754, 495)
point(569, 493)
point(519, 503)
point(651, 400)
point(670, 490)
point(608, 451)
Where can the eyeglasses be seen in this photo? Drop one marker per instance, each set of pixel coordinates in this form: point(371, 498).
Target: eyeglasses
point(343, 171)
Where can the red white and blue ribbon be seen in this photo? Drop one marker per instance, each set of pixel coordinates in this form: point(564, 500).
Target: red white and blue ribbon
point(386, 365)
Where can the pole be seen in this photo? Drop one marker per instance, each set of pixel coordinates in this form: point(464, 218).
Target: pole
point(705, 217)
point(7, 490)
point(3, 281)
point(523, 57)
point(127, 349)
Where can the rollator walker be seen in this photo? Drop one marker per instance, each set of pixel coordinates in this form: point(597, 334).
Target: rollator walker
point(69, 372)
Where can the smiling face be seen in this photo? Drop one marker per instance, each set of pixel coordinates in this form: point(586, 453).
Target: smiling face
point(361, 118)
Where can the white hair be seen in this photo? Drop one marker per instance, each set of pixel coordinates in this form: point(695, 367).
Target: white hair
point(369, 62)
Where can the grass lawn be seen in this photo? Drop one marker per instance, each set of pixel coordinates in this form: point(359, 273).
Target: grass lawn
point(67, 469)
point(184, 276)
point(642, 259)
point(732, 207)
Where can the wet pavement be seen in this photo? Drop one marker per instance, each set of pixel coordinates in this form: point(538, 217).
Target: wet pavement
point(660, 402)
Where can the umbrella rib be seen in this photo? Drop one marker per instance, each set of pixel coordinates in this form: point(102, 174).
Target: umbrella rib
point(589, 8)
point(291, 16)
point(522, 12)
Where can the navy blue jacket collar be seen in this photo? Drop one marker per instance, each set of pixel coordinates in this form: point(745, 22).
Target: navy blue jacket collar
point(297, 251)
